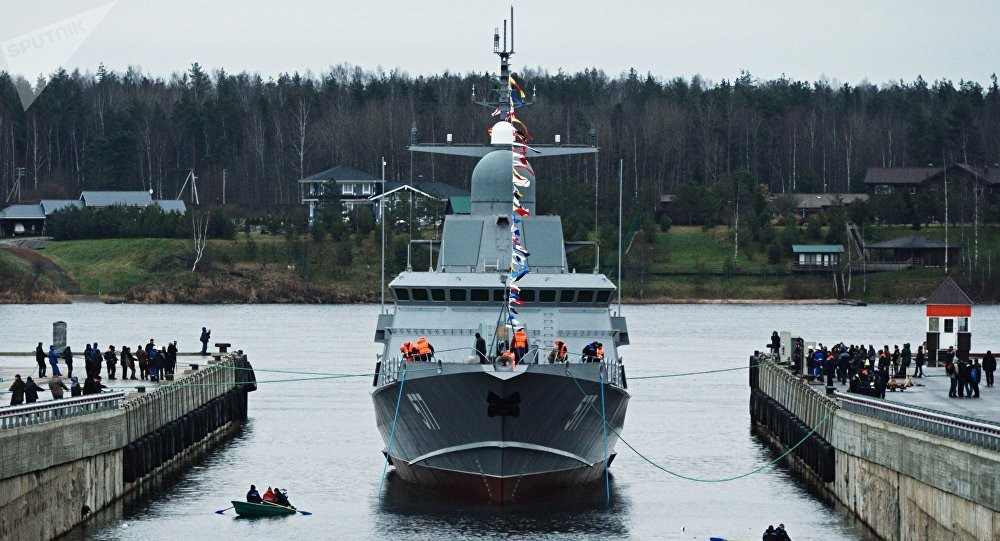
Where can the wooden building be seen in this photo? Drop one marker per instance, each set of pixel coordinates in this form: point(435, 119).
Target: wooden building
point(915, 251)
point(809, 257)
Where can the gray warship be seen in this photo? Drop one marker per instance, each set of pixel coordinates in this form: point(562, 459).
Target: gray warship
point(495, 431)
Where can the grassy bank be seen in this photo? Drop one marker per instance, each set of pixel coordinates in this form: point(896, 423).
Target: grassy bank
point(683, 264)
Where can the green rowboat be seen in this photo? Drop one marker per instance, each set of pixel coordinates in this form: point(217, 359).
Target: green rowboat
point(247, 509)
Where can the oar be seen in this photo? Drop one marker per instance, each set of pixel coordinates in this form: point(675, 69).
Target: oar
point(306, 513)
point(221, 511)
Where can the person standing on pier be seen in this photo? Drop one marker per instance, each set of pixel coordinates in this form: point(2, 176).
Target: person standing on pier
point(67, 356)
point(206, 334)
point(904, 361)
point(143, 363)
point(17, 391)
point(56, 387)
point(40, 359)
point(989, 366)
point(54, 360)
point(31, 390)
point(963, 379)
point(918, 372)
point(975, 376)
point(171, 357)
point(111, 360)
point(949, 368)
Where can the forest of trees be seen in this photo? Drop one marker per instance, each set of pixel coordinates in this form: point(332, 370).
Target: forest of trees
point(131, 131)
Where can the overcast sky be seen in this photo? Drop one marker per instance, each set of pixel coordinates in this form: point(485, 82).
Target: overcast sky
point(847, 41)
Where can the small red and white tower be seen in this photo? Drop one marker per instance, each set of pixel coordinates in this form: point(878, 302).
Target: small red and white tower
point(949, 311)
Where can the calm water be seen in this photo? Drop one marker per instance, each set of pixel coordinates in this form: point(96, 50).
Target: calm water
point(318, 438)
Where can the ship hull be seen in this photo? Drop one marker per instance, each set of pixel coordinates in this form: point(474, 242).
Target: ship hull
point(499, 436)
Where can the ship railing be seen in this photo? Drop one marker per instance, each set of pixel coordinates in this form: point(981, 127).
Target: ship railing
point(41, 412)
point(389, 370)
point(978, 432)
point(614, 372)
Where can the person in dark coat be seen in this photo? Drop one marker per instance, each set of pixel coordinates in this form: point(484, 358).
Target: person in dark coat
point(206, 334)
point(253, 496)
point(171, 357)
point(918, 372)
point(17, 391)
point(963, 379)
point(111, 361)
point(31, 390)
point(143, 362)
point(769, 534)
point(480, 349)
point(67, 356)
point(40, 357)
point(989, 366)
point(74, 386)
point(780, 534)
point(93, 385)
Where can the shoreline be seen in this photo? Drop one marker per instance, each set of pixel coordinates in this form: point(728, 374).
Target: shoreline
point(93, 299)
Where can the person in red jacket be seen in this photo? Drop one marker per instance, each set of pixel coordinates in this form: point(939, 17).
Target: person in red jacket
point(269, 495)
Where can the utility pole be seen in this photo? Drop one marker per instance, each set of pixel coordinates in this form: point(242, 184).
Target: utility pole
point(621, 172)
point(16, 188)
point(381, 218)
point(945, 166)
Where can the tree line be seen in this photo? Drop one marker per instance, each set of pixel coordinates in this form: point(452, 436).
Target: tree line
point(133, 131)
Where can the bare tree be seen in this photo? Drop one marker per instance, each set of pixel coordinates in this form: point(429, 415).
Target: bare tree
point(199, 230)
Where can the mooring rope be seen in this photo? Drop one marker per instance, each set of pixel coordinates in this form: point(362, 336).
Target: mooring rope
point(688, 477)
point(392, 435)
point(607, 475)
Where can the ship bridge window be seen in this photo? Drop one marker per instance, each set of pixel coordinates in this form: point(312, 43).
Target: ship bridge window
point(419, 294)
point(585, 296)
point(567, 295)
point(480, 295)
point(499, 295)
point(547, 295)
point(457, 295)
point(603, 296)
point(527, 295)
point(437, 295)
point(402, 294)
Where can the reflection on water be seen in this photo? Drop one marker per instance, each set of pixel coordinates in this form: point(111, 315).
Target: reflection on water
point(318, 440)
point(579, 510)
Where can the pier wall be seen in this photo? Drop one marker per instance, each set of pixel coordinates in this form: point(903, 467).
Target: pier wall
point(55, 474)
point(902, 482)
point(908, 484)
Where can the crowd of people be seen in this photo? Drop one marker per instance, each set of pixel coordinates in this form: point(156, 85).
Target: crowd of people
point(153, 363)
point(869, 371)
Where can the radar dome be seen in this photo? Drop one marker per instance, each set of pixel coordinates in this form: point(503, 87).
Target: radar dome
point(502, 133)
point(492, 185)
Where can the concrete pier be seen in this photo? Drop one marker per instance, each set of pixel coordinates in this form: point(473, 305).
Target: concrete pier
point(908, 472)
point(60, 463)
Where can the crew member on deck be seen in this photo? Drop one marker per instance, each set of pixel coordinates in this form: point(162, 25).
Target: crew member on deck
point(425, 349)
point(558, 353)
point(406, 350)
point(520, 343)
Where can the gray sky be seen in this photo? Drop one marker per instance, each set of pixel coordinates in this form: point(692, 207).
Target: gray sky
point(847, 41)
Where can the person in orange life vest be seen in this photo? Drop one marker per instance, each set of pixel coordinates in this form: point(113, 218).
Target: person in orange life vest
point(406, 349)
point(520, 343)
point(558, 353)
point(508, 358)
point(425, 349)
point(269, 495)
point(600, 352)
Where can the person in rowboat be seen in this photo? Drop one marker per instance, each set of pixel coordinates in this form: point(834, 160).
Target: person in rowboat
point(269, 495)
point(281, 498)
point(253, 496)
